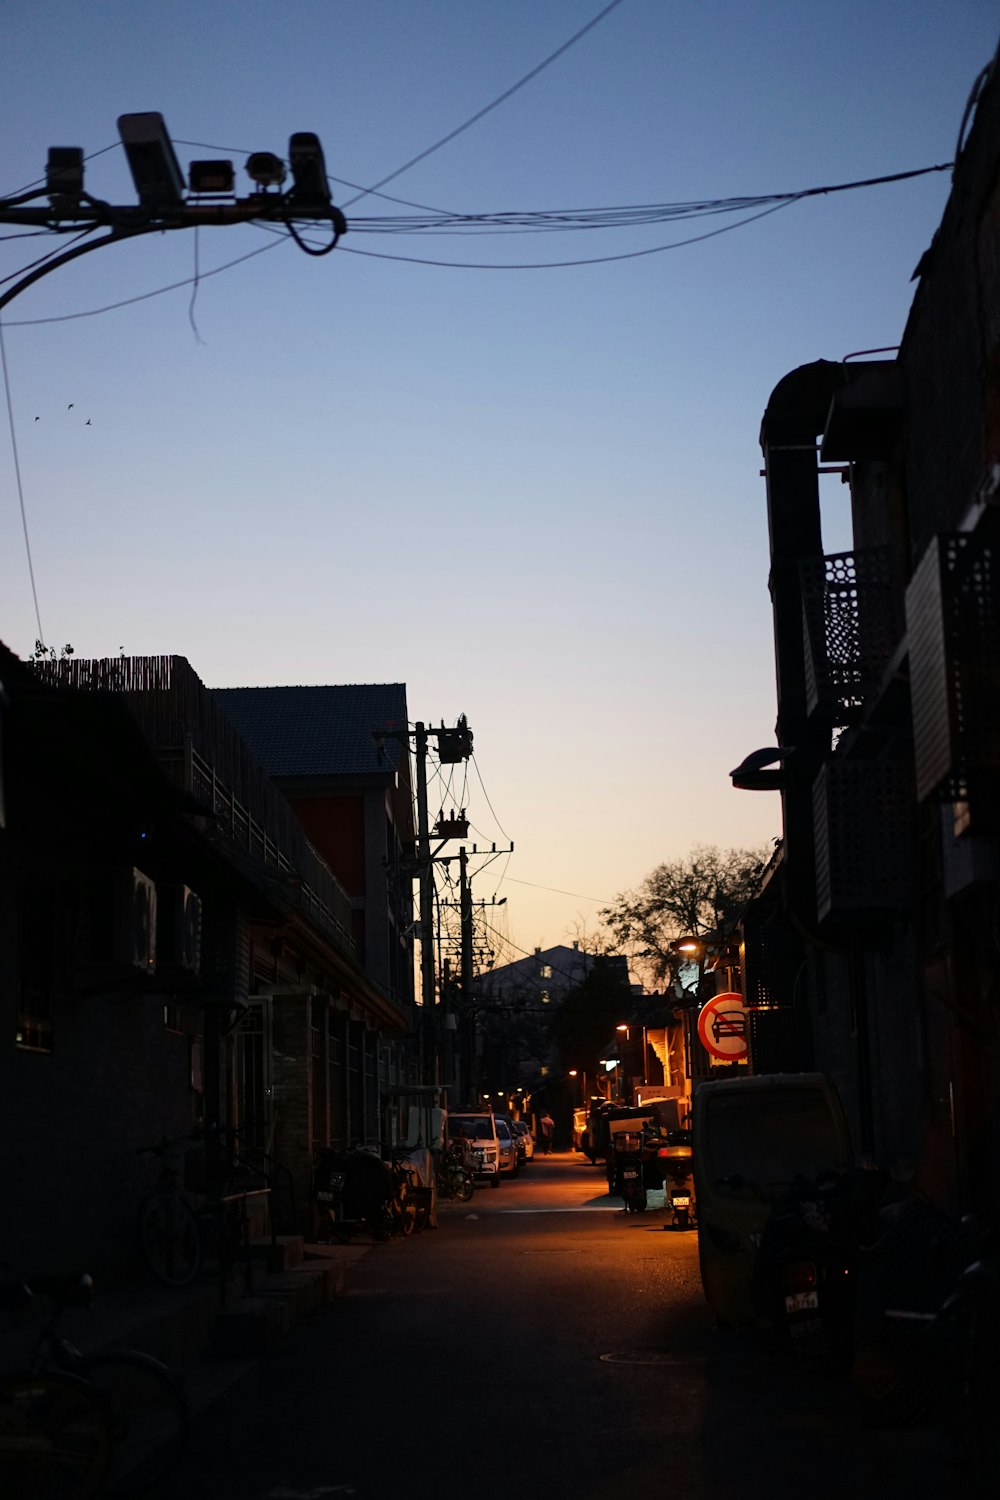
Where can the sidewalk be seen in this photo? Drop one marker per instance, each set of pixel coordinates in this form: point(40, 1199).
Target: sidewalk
point(206, 1346)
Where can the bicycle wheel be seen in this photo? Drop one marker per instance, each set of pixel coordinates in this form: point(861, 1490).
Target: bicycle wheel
point(55, 1440)
point(168, 1237)
point(148, 1417)
point(463, 1186)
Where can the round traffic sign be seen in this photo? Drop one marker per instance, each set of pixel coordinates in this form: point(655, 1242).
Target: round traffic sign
point(722, 1026)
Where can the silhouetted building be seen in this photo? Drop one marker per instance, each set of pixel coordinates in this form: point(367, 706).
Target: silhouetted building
point(871, 949)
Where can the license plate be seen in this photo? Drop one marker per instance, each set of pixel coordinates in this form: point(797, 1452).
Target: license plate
point(325, 1197)
point(680, 1202)
point(629, 1172)
point(801, 1301)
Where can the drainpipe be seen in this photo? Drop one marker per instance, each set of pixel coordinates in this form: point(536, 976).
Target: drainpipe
point(795, 417)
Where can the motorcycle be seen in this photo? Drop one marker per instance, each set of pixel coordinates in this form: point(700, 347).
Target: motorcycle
point(804, 1282)
point(675, 1159)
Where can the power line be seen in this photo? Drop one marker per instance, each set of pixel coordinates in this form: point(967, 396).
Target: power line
point(494, 104)
point(489, 804)
point(174, 286)
point(774, 202)
point(20, 486)
point(49, 254)
point(556, 891)
point(554, 265)
point(618, 216)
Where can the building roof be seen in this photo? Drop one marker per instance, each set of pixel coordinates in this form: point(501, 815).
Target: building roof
point(568, 967)
point(320, 731)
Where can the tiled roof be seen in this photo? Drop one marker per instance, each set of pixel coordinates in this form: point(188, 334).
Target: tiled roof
point(318, 731)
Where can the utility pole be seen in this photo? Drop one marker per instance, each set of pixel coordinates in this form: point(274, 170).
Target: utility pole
point(465, 929)
point(467, 955)
point(161, 187)
point(453, 746)
point(425, 877)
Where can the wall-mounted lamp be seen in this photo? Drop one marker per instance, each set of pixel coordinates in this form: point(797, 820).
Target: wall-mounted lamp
point(752, 775)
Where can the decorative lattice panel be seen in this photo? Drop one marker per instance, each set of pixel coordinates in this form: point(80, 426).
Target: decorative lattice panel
point(864, 819)
point(953, 622)
point(852, 621)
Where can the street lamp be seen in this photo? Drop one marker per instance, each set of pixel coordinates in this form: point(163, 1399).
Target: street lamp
point(610, 1065)
point(160, 187)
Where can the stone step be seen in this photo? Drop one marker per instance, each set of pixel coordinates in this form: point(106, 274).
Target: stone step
point(304, 1292)
point(286, 1251)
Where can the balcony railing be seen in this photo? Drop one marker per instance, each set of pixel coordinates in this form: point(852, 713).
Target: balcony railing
point(953, 614)
point(201, 750)
point(852, 620)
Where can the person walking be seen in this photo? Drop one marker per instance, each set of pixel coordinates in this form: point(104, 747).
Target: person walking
point(546, 1126)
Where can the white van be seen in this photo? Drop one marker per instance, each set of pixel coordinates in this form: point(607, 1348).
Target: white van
point(478, 1129)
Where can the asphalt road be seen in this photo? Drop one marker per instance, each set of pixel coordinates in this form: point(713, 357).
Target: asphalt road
point(540, 1343)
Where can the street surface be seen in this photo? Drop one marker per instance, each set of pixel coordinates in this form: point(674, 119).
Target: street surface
point(540, 1343)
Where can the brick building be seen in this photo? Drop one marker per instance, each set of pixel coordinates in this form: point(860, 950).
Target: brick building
point(176, 951)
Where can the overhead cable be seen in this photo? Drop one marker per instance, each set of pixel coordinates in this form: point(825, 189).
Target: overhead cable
point(487, 108)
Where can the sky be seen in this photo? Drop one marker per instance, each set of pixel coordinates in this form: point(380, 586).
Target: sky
point(532, 495)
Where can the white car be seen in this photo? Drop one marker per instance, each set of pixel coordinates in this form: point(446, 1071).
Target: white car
point(523, 1131)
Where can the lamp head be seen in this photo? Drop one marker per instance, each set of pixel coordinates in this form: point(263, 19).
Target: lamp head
point(265, 169)
point(152, 160)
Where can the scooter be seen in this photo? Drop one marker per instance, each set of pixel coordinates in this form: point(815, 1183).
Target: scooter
point(627, 1174)
point(354, 1191)
point(804, 1279)
point(675, 1158)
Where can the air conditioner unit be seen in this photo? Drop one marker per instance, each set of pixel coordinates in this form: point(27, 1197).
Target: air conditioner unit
point(119, 928)
point(179, 930)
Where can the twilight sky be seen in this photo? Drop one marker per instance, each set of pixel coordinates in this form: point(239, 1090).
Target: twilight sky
point(531, 495)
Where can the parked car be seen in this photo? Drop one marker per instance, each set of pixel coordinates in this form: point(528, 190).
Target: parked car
point(522, 1131)
point(510, 1162)
point(478, 1128)
point(521, 1149)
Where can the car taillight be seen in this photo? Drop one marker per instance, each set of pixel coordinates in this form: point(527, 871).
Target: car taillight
point(800, 1276)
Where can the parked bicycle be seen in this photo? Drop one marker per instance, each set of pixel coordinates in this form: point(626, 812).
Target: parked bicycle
point(112, 1423)
point(201, 1220)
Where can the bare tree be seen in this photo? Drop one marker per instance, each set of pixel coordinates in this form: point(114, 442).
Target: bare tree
point(699, 896)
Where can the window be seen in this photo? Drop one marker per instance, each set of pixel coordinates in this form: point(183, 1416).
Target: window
point(545, 971)
point(544, 996)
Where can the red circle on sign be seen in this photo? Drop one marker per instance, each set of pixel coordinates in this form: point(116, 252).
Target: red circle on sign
point(722, 1026)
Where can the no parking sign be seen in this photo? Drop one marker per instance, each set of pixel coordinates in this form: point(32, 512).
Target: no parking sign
point(722, 1027)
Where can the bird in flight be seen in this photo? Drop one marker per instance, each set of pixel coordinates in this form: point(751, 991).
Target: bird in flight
point(87, 423)
point(71, 406)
